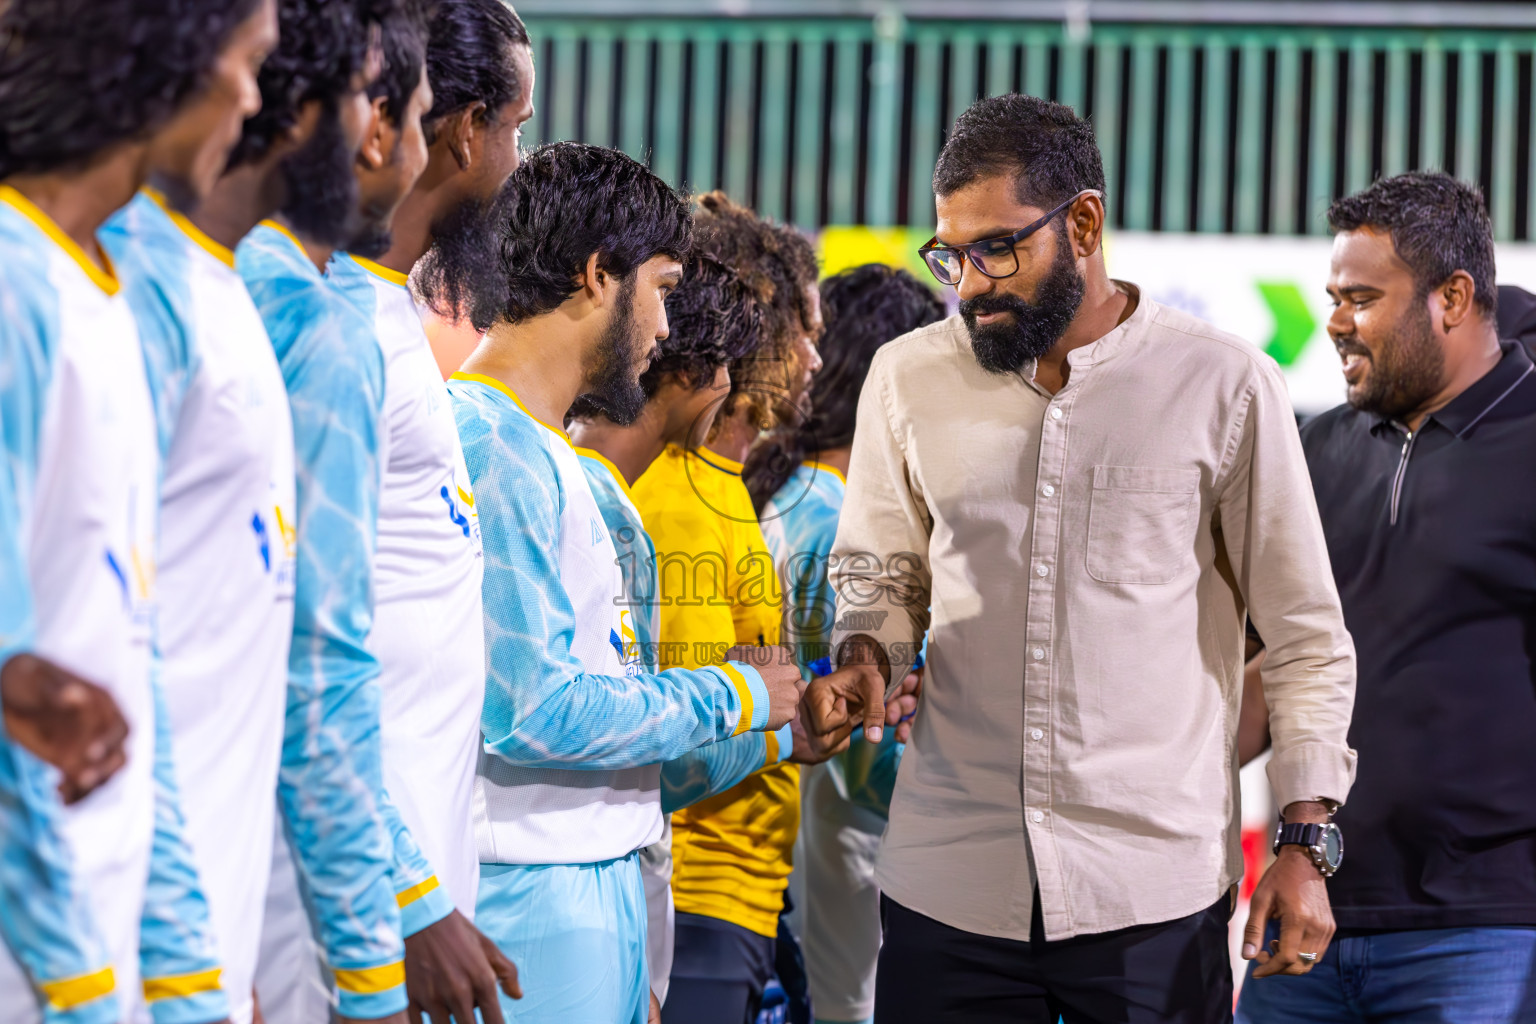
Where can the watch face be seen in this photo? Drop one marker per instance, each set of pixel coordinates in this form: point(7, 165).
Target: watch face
point(1333, 846)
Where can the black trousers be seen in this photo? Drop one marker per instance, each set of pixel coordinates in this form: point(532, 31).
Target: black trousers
point(719, 970)
point(1177, 971)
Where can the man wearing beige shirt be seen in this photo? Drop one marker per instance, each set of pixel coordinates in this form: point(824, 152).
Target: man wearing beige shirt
point(1078, 495)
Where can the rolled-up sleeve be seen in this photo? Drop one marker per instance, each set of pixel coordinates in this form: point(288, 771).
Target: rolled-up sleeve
point(1274, 541)
point(879, 564)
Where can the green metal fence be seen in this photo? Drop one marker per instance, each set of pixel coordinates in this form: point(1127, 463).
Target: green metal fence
point(1203, 128)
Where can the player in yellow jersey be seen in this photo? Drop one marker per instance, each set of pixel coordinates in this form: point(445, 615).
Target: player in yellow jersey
point(732, 852)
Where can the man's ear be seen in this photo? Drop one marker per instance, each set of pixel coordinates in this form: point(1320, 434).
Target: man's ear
point(1086, 222)
point(378, 141)
point(460, 133)
point(597, 282)
point(1457, 299)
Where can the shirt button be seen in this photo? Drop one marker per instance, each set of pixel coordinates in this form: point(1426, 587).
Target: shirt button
point(1041, 570)
point(1037, 817)
point(1036, 734)
point(1055, 412)
point(1039, 653)
point(1047, 490)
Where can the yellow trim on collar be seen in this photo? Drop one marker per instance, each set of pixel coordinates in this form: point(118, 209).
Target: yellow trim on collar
point(181, 986)
point(381, 271)
point(492, 382)
point(219, 252)
point(406, 897)
point(600, 457)
point(371, 980)
point(105, 279)
point(280, 229)
point(68, 993)
point(827, 469)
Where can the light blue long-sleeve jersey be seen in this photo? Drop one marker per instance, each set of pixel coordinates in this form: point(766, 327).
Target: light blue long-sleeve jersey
point(330, 783)
point(48, 930)
point(707, 770)
point(60, 896)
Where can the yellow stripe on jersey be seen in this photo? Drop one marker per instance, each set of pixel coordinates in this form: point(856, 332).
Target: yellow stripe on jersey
point(68, 993)
point(744, 692)
point(103, 274)
point(180, 986)
point(196, 234)
point(416, 892)
point(370, 980)
point(771, 751)
point(382, 272)
point(492, 382)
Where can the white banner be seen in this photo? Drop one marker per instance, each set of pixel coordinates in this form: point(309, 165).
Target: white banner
point(1267, 289)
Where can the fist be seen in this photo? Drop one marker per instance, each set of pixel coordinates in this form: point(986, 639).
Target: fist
point(72, 724)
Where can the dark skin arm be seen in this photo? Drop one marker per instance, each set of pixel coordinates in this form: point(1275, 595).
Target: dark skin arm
point(1294, 892)
point(451, 968)
point(64, 720)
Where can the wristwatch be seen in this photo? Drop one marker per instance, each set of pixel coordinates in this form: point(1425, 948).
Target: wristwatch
point(1323, 843)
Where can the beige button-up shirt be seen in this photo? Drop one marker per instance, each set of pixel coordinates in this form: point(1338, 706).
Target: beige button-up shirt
point(1088, 558)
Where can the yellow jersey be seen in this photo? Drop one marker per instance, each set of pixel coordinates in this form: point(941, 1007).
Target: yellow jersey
point(731, 854)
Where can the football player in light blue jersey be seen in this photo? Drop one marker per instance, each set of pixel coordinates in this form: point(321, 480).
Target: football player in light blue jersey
point(568, 787)
point(100, 894)
point(712, 320)
point(797, 480)
point(428, 633)
point(353, 858)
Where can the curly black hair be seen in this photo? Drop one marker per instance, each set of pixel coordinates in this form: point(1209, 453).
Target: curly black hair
point(469, 57)
point(567, 201)
point(80, 76)
point(778, 265)
point(403, 40)
point(1438, 226)
point(324, 45)
point(1049, 150)
point(864, 307)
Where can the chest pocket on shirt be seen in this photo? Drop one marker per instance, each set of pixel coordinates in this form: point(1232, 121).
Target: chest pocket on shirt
point(1141, 523)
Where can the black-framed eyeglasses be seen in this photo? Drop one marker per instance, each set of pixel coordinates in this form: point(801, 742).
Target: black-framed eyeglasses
point(994, 257)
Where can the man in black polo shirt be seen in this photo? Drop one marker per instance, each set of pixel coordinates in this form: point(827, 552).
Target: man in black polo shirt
point(1426, 482)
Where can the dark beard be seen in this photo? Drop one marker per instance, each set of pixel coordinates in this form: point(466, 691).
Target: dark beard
point(1036, 327)
point(462, 262)
point(1405, 372)
point(612, 384)
point(322, 187)
point(372, 236)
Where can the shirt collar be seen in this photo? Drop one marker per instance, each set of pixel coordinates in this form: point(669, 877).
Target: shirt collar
point(1131, 329)
point(1467, 409)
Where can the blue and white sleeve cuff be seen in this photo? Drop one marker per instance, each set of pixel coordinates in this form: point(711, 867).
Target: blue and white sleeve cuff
point(423, 904)
point(186, 998)
point(751, 692)
point(369, 993)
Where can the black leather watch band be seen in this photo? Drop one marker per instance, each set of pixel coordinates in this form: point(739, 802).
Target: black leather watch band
point(1297, 833)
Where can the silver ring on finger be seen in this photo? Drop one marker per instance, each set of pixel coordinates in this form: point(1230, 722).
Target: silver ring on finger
point(1307, 958)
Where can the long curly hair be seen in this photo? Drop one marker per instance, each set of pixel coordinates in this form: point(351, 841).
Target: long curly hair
point(864, 307)
point(778, 265)
point(80, 76)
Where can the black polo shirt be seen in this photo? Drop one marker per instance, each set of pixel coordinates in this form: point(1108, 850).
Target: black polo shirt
point(1433, 544)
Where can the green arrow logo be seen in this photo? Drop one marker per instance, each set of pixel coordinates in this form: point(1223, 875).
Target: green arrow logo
point(1293, 320)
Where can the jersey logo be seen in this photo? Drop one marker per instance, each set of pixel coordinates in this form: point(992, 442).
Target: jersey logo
point(263, 544)
point(618, 645)
point(459, 519)
point(122, 577)
point(598, 533)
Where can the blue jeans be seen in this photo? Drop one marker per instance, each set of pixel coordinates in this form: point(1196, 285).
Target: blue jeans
point(1460, 975)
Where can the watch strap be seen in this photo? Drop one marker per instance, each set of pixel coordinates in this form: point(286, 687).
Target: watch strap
point(1298, 833)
